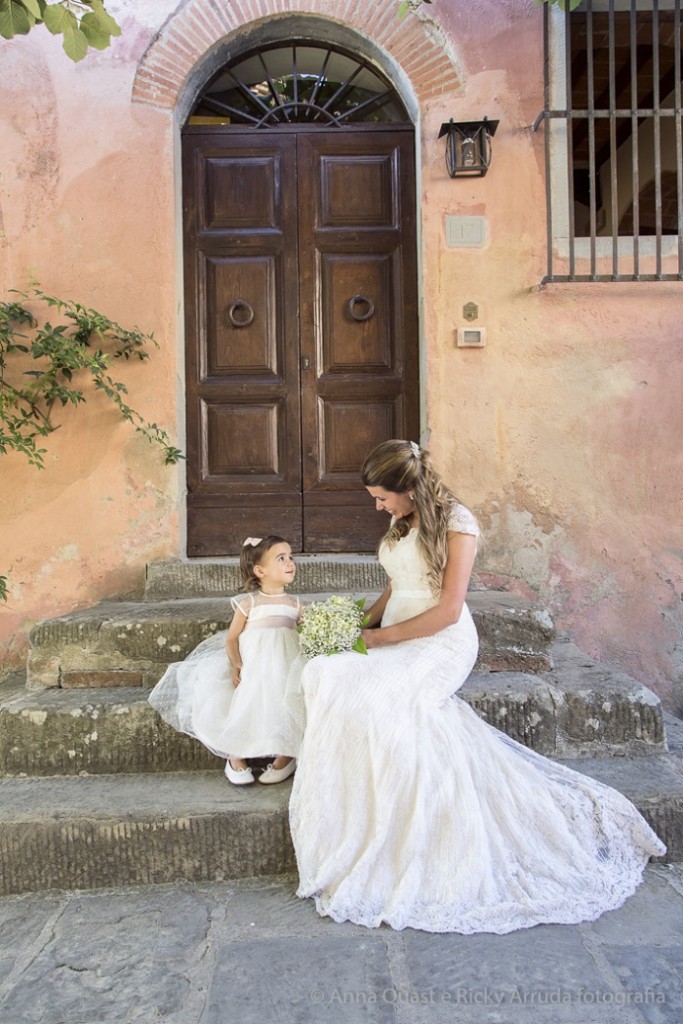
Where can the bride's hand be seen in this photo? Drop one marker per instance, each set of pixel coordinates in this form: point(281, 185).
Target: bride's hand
point(370, 637)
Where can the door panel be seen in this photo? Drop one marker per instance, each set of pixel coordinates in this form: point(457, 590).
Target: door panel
point(235, 346)
point(244, 425)
point(301, 330)
point(361, 345)
point(358, 325)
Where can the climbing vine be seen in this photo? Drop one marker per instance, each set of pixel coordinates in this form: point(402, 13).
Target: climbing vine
point(62, 358)
point(46, 366)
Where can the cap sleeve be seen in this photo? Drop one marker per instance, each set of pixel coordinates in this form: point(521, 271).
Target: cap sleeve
point(461, 520)
point(244, 603)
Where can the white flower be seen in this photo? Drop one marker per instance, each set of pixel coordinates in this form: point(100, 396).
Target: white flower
point(331, 626)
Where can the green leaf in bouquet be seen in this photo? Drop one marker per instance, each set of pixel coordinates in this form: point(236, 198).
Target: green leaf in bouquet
point(360, 646)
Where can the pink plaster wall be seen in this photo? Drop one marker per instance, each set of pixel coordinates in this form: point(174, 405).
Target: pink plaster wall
point(563, 433)
point(86, 207)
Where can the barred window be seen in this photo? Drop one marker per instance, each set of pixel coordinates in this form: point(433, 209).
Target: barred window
point(614, 168)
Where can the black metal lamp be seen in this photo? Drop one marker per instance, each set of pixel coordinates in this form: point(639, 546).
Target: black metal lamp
point(468, 147)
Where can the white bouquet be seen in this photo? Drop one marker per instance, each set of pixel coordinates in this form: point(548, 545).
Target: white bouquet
point(331, 626)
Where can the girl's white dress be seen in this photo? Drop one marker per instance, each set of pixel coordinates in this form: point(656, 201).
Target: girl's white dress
point(197, 697)
point(408, 809)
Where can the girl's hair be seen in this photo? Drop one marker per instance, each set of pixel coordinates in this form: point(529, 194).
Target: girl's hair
point(251, 555)
point(402, 466)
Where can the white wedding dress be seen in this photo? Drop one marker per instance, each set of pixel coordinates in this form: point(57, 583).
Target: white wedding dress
point(410, 810)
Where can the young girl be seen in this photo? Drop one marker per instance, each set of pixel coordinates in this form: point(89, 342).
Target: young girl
point(235, 705)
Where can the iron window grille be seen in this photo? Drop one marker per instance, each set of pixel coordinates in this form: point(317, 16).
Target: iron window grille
point(613, 147)
point(298, 83)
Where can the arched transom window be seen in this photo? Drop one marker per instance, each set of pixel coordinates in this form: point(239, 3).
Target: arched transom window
point(300, 83)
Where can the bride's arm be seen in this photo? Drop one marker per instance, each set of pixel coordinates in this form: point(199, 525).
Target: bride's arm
point(376, 611)
point(462, 548)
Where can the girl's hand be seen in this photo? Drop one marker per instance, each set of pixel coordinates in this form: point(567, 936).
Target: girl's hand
point(236, 675)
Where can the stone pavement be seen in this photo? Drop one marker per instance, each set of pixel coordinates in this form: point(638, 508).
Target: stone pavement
point(250, 952)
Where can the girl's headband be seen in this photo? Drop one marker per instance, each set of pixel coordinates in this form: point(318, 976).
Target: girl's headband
point(252, 542)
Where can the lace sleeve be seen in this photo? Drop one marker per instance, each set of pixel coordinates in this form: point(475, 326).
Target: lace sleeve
point(461, 520)
point(243, 603)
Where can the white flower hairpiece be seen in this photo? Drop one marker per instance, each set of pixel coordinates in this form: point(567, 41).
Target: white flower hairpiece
point(415, 449)
point(252, 541)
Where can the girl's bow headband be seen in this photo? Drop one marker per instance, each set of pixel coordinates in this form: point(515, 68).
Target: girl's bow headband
point(252, 541)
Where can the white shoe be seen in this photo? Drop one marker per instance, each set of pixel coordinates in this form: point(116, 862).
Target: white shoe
point(238, 776)
point(271, 774)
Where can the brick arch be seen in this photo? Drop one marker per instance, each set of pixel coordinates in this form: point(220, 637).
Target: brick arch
point(417, 45)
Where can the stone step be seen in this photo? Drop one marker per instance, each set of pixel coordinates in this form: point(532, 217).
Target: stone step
point(578, 709)
point(315, 574)
point(122, 643)
point(99, 832)
point(89, 833)
point(91, 732)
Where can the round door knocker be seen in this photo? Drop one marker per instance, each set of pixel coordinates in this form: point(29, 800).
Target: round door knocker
point(242, 307)
point(360, 300)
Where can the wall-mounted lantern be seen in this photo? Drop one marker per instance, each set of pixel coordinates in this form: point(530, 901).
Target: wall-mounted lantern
point(468, 146)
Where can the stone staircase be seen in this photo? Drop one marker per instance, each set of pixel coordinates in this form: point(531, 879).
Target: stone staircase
point(96, 791)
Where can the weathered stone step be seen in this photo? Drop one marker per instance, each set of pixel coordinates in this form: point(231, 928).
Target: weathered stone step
point(89, 833)
point(93, 732)
point(315, 574)
point(121, 643)
point(579, 709)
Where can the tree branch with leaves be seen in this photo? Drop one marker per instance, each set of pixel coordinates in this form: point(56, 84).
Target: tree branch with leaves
point(82, 23)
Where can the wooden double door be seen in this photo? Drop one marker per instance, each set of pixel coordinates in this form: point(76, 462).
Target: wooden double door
point(301, 329)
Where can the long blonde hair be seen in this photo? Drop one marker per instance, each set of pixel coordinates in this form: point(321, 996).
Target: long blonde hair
point(402, 467)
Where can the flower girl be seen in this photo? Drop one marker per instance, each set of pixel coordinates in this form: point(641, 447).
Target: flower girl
point(229, 692)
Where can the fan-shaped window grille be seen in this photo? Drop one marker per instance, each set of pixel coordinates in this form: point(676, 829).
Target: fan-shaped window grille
point(300, 83)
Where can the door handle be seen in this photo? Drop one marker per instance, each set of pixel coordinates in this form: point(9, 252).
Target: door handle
point(360, 314)
point(247, 313)
point(305, 362)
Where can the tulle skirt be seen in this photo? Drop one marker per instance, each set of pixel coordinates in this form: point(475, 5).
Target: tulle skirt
point(197, 697)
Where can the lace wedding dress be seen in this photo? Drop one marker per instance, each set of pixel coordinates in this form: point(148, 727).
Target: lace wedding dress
point(410, 810)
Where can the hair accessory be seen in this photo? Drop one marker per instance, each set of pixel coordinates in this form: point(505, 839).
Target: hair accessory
point(415, 449)
point(252, 541)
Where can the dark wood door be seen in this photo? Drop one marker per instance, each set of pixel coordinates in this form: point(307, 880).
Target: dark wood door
point(301, 330)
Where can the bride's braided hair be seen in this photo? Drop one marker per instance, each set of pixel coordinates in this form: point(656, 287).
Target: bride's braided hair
point(402, 467)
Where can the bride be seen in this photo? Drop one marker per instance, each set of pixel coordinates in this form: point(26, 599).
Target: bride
point(406, 808)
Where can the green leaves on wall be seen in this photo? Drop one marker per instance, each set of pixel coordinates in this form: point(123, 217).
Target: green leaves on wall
point(59, 361)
